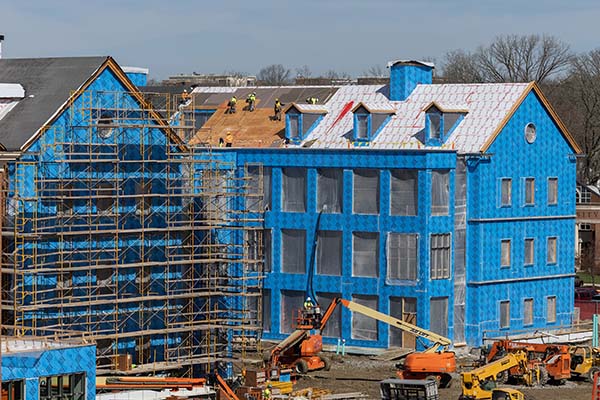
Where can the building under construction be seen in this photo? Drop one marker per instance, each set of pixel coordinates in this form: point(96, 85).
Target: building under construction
point(117, 231)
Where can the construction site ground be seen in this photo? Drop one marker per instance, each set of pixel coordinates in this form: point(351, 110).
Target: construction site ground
point(352, 373)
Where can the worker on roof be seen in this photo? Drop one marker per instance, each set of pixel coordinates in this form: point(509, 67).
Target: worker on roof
point(251, 99)
point(277, 108)
point(267, 392)
point(221, 142)
point(312, 100)
point(229, 139)
point(231, 105)
point(185, 96)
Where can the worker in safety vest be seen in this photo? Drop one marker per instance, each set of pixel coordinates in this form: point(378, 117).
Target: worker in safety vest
point(251, 100)
point(231, 105)
point(229, 139)
point(267, 392)
point(277, 109)
point(312, 100)
point(308, 304)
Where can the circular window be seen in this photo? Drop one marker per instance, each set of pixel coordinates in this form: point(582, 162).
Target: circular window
point(105, 129)
point(530, 132)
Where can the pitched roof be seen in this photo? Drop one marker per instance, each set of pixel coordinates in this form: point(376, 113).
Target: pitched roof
point(48, 84)
point(253, 129)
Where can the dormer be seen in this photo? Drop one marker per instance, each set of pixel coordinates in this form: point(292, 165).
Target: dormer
point(369, 119)
point(301, 119)
point(440, 123)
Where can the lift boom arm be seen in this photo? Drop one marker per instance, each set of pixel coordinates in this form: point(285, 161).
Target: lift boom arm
point(437, 340)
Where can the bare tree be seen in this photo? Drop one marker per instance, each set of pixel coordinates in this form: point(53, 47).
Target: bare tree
point(377, 71)
point(577, 100)
point(303, 72)
point(514, 58)
point(461, 67)
point(333, 74)
point(274, 74)
point(511, 58)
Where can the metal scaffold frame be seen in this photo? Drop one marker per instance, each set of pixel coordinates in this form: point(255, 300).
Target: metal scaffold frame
point(117, 234)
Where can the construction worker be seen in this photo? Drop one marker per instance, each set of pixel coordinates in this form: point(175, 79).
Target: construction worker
point(251, 100)
point(267, 392)
point(231, 105)
point(185, 96)
point(229, 139)
point(312, 100)
point(308, 304)
point(221, 142)
point(277, 108)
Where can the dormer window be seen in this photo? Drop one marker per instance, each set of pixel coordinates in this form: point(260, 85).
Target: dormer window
point(439, 123)
point(362, 126)
point(301, 119)
point(369, 119)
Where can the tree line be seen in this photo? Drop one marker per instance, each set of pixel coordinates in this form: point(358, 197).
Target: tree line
point(571, 81)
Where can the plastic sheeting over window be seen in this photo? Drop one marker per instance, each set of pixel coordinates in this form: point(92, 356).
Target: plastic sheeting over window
point(293, 195)
point(529, 191)
point(505, 253)
point(528, 312)
point(506, 195)
point(405, 309)
point(402, 256)
point(366, 191)
point(266, 310)
point(404, 192)
point(551, 309)
point(460, 259)
point(293, 251)
point(334, 325)
point(552, 190)
point(268, 250)
point(529, 251)
point(438, 314)
point(254, 188)
point(365, 254)
point(291, 304)
point(330, 190)
point(329, 253)
point(363, 327)
point(505, 314)
point(440, 256)
point(440, 192)
point(551, 251)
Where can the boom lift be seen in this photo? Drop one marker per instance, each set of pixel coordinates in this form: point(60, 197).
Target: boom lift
point(552, 360)
point(481, 382)
point(301, 349)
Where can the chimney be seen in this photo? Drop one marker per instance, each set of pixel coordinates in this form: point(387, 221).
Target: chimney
point(405, 75)
point(1, 40)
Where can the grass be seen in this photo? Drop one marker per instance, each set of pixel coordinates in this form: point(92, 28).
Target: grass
point(586, 277)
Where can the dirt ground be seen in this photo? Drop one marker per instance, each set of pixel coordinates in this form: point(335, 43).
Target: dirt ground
point(362, 374)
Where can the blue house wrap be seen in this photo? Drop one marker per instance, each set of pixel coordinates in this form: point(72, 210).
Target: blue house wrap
point(34, 366)
point(106, 226)
point(455, 214)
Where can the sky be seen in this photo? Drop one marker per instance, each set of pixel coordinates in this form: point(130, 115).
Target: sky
point(207, 36)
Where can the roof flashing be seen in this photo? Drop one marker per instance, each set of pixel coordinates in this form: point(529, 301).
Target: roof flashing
point(11, 91)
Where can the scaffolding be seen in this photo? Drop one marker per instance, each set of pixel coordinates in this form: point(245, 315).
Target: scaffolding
point(117, 234)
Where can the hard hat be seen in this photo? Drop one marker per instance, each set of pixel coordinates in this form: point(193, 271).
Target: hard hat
point(308, 298)
point(269, 385)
